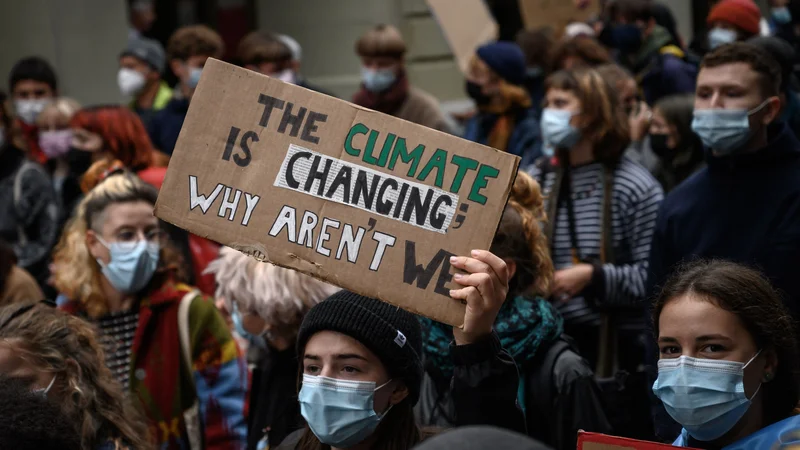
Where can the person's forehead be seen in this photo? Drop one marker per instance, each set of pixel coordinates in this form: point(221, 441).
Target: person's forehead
point(131, 60)
point(738, 73)
point(31, 85)
point(334, 343)
point(692, 316)
point(138, 213)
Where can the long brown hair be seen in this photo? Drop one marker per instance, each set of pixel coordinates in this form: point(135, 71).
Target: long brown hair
point(67, 346)
point(749, 295)
point(397, 431)
point(603, 120)
point(520, 238)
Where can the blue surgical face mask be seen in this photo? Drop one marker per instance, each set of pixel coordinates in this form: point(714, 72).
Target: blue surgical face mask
point(705, 396)
point(721, 36)
point(377, 80)
point(340, 412)
point(132, 264)
point(556, 129)
point(724, 130)
point(194, 77)
point(255, 340)
point(782, 15)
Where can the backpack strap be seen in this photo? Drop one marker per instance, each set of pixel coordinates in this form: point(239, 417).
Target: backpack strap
point(543, 387)
point(191, 416)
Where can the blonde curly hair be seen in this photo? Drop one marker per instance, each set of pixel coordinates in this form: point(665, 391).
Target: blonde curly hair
point(520, 238)
point(66, 346)
point(280, 296)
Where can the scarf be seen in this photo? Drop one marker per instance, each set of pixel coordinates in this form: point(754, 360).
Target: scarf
point(523, 325)
point(513, 100)
point(388, 101)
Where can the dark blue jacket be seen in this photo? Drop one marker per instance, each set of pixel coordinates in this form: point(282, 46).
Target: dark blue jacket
point(166, 124)
point(525, 140)
point(744, 208)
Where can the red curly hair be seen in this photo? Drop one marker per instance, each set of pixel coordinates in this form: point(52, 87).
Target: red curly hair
point(123, 133)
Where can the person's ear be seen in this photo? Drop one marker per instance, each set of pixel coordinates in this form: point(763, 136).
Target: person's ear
point(399, 394)
point(512, 267)
point(96, 248)
point(770, 365)
point(153, 75)
point(774, 108)
point(295, 66)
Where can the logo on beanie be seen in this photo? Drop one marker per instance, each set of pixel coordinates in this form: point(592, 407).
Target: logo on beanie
point(400, 340)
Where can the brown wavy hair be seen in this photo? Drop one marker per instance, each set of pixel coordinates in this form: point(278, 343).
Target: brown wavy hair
point(602, 118)
point(520, 238)
point(77, 273)
point(66, 346)
point(585, 48)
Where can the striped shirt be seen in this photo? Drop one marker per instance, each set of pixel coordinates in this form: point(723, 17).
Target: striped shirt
point(118, 330)
point(636, 197)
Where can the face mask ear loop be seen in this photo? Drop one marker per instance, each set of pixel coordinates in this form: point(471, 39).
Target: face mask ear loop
point(382, 415)
point(47, 389)
point(759, 107)
point(758, 389)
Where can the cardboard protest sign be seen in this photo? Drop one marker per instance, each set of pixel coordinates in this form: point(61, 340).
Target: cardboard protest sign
point(466, 24)
point(597, 441)
point(556, 14)
point(354, 197)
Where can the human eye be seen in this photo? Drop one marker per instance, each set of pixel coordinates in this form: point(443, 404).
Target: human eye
point(351, 369)
point(154, 235)
point(126, 236)
point(670, 350)
point(311, 369)
point(713, 348)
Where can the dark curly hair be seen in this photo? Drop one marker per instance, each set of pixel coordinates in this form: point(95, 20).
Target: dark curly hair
point(749, 295)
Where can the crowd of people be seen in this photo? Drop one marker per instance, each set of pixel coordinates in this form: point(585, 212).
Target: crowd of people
point(641, 283)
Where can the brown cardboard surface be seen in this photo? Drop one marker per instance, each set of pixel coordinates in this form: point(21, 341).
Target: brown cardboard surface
point(239, 176)
point(555, 13)
point(466, 24)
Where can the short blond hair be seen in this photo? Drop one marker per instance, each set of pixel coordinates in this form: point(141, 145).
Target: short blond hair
point(381, 41)
point(62, 108)
point(280, 296)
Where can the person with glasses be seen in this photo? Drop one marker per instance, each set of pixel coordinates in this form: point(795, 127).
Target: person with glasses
point(58, 358)
point(165, 342)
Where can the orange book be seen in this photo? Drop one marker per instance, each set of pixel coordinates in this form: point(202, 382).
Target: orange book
point(597, 441)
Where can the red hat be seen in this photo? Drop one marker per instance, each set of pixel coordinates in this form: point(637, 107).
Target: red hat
point(743, 14)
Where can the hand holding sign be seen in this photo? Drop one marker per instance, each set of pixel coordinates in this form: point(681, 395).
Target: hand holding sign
point(485, 291)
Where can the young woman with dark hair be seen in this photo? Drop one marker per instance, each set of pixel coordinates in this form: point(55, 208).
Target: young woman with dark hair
point(728, 366)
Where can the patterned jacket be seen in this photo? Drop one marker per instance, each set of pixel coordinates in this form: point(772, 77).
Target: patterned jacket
point(159, 378)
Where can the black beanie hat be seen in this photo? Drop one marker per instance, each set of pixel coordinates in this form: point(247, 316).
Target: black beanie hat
point(393, 334)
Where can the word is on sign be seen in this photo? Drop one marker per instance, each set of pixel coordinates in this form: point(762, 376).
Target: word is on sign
point(368, 202)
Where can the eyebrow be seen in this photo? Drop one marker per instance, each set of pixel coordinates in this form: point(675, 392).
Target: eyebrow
point(671, 340)
point(712, 337)
point(340, 356)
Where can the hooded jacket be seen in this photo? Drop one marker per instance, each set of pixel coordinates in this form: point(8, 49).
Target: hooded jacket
point(744, 208)
point(661, 69)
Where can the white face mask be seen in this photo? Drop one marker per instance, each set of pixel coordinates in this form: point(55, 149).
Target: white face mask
point(130, 82)
point(286, 75)
point(721, 36)
point(28, 110)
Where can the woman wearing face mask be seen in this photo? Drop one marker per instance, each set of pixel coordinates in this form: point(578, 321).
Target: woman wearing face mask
point(165, 343)
point(506, 119)
point(267, 305)
point(730, 21)
point(679, 149)
point(55, 140)
point(559, 398)
point(362, 366)
point(114, 133)
point(602, 207)
point(384, 82)
point(728, 366)
point(59, 357)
